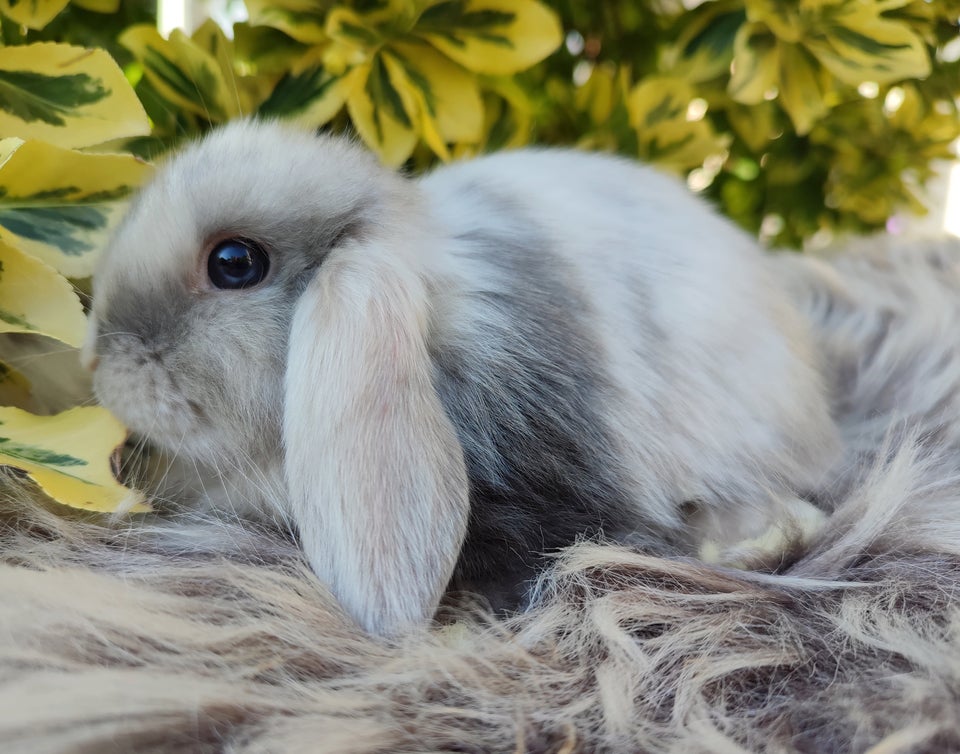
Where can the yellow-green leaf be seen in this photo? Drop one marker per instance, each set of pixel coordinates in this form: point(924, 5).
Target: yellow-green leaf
point(451, 95)
point(416, 106)
point(68, 455)
point(264, 49)
point(347, 26)
point(705, 46)
point(35, 299)
point(66, 95)
point(658, 108)
point(802, 88)
point(99, 6)
point(656, 100)
point(394, 17)
point(785, 18)
point(304, 20)
point(380, 114)
point(599, 94)
point(58, 204)
point(862, 46)
point(311, 97)
point(492, 36)
point(756, 63)
point(755, 124)
point(242, 91)
point(508, 115)
point(182, 72)
point(34, 14)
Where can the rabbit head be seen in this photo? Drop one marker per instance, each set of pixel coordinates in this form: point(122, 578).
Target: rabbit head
point(260, 311)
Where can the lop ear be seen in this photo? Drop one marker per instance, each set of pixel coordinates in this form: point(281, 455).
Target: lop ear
point(374, 469)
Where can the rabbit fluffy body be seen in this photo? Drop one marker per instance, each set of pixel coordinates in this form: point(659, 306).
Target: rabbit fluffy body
point(440, 380)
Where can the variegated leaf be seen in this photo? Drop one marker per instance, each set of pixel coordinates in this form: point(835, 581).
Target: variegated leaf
point(312, 97)
point(34, 14)
point(508, 114)
point(451, 96)
point(99, 6)
point(492, 36)
point(598, 96)
point(417, 107)
point(66, 95)
point(803, 88)
point(704, 49)
point(183, 72)
point(345, 25)
point(35, 299)
point(68, 456)
point(304, 20)
point(381, 112)
point(859, 45)
point(58, 204)
point(263, 49)
point(756, 64)
point(755, 124)
point(658, 108)
point(787, 19)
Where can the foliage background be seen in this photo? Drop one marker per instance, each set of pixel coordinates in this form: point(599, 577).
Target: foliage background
point(800, 119)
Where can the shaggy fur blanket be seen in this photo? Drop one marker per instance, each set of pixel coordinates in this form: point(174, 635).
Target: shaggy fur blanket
point(210, 636)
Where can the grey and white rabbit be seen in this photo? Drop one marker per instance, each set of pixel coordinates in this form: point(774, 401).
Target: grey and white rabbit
point(439, 380)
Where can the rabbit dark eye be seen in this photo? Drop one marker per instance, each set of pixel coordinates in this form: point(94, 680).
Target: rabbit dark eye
point(237, 264)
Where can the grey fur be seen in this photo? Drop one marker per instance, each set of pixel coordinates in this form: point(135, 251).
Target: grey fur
point(528, 414)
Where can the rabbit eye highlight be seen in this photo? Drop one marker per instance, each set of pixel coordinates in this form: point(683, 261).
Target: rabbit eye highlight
point(235, 263)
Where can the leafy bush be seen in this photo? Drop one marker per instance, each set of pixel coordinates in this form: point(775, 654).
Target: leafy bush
point(798, 119)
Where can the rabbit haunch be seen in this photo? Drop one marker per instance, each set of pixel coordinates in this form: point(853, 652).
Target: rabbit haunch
point(441, 379)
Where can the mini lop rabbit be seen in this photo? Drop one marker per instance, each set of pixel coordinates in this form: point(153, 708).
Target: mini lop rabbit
point(442, 379)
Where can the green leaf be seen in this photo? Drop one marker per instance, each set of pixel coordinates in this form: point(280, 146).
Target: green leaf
point(266, 50)
point(657, 108)
point(803, 88)
point(787, 19)
point(451, 95)
point(32, 96)
point(303, 20)
point(380, 113)
point(492, 36)
point(183, 72)
point(34, 14)
point(313, 97)
point(66, 95)
point(345, 25)
point(386, 96)
point(704, 49)
point(756, 64)
point(32, 454)
point(859, 45)
point(98, 6)
point(68, 455)
point(58, 204)
point(35, 299)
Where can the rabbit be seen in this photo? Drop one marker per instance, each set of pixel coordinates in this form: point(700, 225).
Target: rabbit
point(440, 381)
